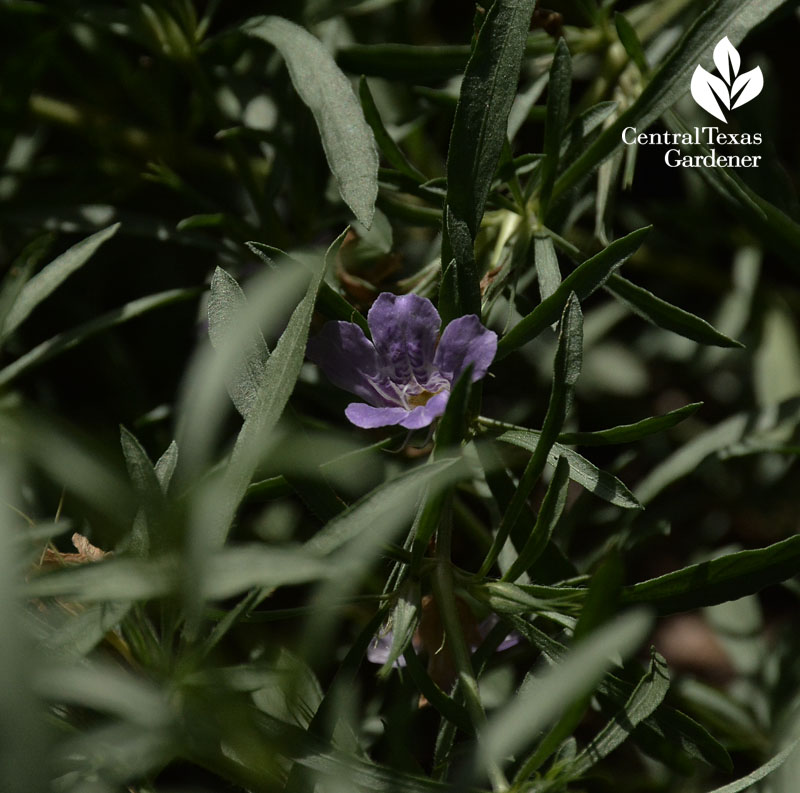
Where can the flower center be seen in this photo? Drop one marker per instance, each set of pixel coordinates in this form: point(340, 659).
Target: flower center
point(415, 400)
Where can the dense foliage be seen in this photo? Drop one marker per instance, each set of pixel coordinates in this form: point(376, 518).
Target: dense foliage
point(553, 549)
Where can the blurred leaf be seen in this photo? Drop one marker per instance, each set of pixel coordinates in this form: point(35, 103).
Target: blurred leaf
point(555, 120)
point(629, 433)
point(727, 577)
point(731, 18)
point(147, 525)
point(583, 281)
point(601, 483)
point(330, 302)
point(646, 697)
point(733, 435)
point(45, 282)
point(226, 308)
point(477, 139)
point(72, 338)
point(666, 727)
point(347, 139)
point(280, 375)
point(538, 703)
point(664, 315)
point(390, 503)
point(776, 364)
point(627, 35)
point(230, 571)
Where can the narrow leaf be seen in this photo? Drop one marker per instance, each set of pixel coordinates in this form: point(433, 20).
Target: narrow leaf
point(518, 723)
point(479, 133)
point(226, 309)
point(346, 137)
point(583, 281)
point(646, 697)
point(555, 119)
point(72, 338)
point(546, 261)
point(44, 283)
point(629, 433)
point(728, 577)
point(664, 315)
point(601, 483)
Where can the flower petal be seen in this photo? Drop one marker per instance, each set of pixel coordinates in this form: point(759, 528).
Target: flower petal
point(368, 417)
point(465, 341)
point(423, 415)
point(404, 330)
point(346, 357)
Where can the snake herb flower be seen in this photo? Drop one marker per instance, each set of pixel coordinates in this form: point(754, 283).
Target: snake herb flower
point(404, 375)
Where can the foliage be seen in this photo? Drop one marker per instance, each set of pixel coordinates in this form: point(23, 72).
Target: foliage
point(210, 580)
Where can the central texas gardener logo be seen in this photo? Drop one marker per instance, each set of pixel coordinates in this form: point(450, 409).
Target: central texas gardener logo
point(731, 90)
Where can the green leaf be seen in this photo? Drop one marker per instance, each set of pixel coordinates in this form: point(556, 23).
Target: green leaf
point(230, 571)
point(403, 623)
point(45, 282)
point(771, 765)
point(72, 338)
point(390, 150)
point(546, 261)
point(734, 435)
point(423, 64)
point(627, 35)
point(547, 695)
point(20, 272)
point(451, 710)
point(566, 368)
point(280, 375)
point(476, 142)
point(728, 577)
point(630, 433)
point(646, 697)
point(601, 483)
point(346, 137)
point(553, 505)
point(664, 315)
point(226, 309)
point(330, 302)
point(147, 525)
point(583, 281)
point(555, 120)
point(165, 466)
point(666, 726)
point(387, 506)
point(731, 18)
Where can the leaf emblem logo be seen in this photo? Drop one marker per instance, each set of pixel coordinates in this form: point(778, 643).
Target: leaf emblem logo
point(732, 89)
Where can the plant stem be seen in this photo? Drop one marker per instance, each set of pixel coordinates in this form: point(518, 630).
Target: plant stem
point(444, 593)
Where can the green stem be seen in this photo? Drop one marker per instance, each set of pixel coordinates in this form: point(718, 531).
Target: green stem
point(444, 593)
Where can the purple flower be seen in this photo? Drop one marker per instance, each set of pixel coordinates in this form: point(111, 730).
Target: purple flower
point(404, 375)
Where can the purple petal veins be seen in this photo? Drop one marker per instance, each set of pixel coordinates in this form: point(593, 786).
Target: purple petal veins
point(404, 375)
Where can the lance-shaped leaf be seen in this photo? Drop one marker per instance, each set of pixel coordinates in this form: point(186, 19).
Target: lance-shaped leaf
point(479, 132)
point(346, 137)
point(44, 283)
point(226, 309)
